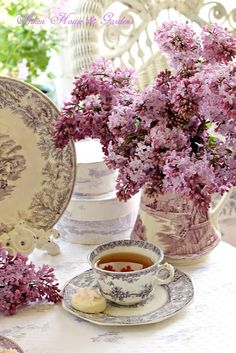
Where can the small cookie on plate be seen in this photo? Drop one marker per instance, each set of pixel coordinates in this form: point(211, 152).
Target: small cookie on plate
point(88, 301)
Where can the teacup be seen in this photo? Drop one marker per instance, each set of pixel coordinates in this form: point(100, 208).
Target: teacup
point(127, 285)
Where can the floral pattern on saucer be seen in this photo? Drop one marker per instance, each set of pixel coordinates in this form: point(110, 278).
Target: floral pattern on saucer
point(164, 302)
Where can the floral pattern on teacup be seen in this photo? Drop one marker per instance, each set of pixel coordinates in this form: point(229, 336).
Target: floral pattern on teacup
point(130, 287)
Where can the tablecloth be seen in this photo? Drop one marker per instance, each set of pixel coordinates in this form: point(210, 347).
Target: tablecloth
point(207, 325)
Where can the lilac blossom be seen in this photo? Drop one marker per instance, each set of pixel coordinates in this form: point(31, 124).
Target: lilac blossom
point(22, 284)
point(179, 133)
point(218, 44)
point(179, 42)
point(95, 94)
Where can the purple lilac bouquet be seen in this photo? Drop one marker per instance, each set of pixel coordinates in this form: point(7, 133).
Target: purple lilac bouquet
point(21, 284)
point(160, 135)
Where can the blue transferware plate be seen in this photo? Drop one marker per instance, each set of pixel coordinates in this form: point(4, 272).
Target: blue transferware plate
point(164, 302)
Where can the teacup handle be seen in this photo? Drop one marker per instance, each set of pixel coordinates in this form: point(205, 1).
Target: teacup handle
point(171, 271)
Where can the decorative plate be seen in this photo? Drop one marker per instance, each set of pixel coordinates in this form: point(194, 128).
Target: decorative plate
point(36, 178)
point(6, 343)
point(164, 302)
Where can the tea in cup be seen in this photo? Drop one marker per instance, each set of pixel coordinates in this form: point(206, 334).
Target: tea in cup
point(127, 270)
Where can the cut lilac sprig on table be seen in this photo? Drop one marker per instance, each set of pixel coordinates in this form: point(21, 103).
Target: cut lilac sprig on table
point(161, 135)
point(22, 284)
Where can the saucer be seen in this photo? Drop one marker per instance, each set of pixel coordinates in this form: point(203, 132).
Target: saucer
point(164, 302)
point(6, 343)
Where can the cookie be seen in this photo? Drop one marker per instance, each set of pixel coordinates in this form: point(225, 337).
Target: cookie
point(88, 300)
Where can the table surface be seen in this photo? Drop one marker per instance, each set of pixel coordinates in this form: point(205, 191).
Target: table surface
point(207, 325)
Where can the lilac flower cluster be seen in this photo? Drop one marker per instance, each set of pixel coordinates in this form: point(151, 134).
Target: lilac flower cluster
point(95, 94)
point(161, 135)
point(21, 283)
point(176, 40)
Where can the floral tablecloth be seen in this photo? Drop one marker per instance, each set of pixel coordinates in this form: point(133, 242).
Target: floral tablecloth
point(207, 325)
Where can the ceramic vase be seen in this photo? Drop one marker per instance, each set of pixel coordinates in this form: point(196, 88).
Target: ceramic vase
point(185, 232)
